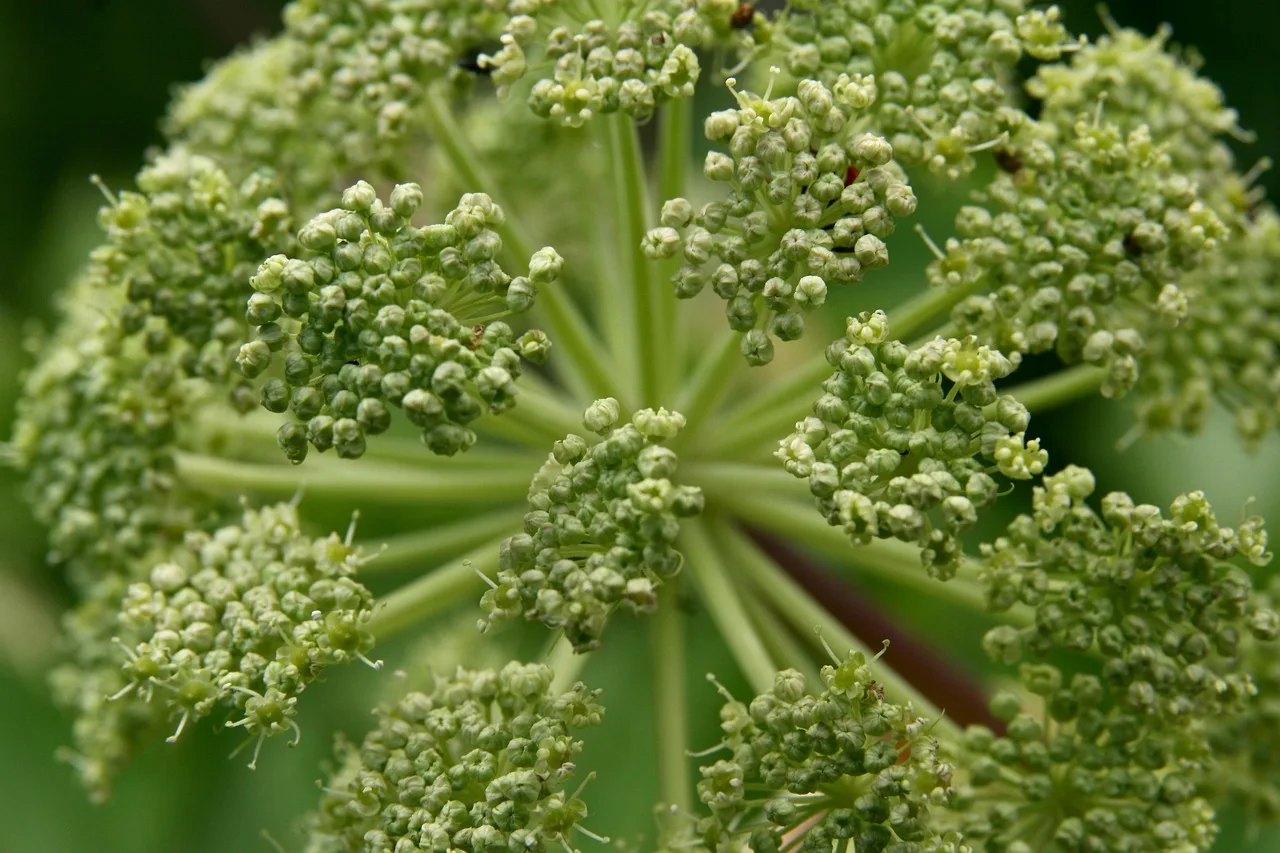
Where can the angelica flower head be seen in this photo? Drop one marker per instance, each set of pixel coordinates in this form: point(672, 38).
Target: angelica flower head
point(432, 237)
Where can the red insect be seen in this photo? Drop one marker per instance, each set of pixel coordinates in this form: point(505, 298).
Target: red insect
point(850, 175)
point(742, 16)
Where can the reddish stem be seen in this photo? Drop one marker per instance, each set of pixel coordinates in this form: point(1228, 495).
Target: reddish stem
point(944, 681)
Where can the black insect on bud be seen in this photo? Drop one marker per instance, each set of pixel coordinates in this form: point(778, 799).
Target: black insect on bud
point(1009, 161)
point(470, 62)
point(1131, 245)
point(742, 16)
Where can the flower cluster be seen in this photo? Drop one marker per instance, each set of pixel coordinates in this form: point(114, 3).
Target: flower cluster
point(1157, 596)
point(96, 437)
point(1246, 743)
point(381, 56)
point(845, 767)
point(811, 200)
point(240, 619)
point(380, 313)
point(184, 247)
point(892, 452)
point(941, 69)
point(244, 618)
point(602, 527)
point(1227, 349)
point(1140, 82)
point(247, 113)
point(596, 68)
point(1079, 774)
point(1081, 246)
point(479, 763)
point(159, 321)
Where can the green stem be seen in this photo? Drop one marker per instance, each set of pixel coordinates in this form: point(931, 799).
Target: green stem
point(798, 608)
point(252, 437)
point(770, 413)
point(583, 368)
point(778, 638)
point(710, 379)
point(888, 559)
point(669, 655)
point(634, 333)
point(428, 547)
point(909, 319)
point(720, 597)
point(369, 482)
point(675, 134)
point(433, 593)
point(547, 414)
point(732, 481)
point(565, 663)
point(1058, 389)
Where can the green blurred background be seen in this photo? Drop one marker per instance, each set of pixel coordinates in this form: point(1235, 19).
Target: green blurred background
point(82, 85)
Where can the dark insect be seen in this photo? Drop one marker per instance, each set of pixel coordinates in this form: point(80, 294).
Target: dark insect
point(850, 175)
point(1131, 245)
point(742, 16)
point(469, 61)
point(1009, 161)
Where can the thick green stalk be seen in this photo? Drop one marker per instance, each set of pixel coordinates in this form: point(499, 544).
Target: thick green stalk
point(634, 328)
point(729, 482)
point(769, 413)
point(720, 596)
point(777, 637)
point(442, 542)
point(1058, 389)
point(675, 135)
point(565, 663)
point(581, 364)
point(668, 655)
point(798, 608)
point(918, 313)
point(710, 380)
point(541, 409)
point(365, 482)
point(430, 594)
